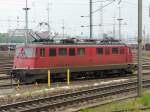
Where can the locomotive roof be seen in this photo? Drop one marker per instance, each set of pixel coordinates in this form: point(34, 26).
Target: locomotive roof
point(69, 45)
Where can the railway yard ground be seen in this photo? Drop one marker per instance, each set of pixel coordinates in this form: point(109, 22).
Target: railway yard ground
point(86, 91)
point(129, 105)
point(74, 56)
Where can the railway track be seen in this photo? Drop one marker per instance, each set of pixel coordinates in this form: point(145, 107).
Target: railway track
point(5, 77)
point(6, 62)
point(64, 101)
point(78, 99)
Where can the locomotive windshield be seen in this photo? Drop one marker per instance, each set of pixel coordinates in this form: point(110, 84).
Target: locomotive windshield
point(23, 52)
point(17, 52)
point(28, 52)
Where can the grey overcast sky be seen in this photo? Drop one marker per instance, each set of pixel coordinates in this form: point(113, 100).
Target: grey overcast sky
point(70, 11)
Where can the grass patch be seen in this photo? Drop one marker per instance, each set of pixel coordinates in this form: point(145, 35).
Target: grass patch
point(136, 103)
point(113, 106)
point(87, 110)
point(145, 99)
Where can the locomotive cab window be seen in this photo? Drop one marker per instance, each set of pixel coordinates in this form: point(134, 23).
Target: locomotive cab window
point(72, 52)
point(114, 50)
point(99, 51)
point(42, 52)
point(81, 51)
point(28, 52)
point(52, 52)
point(35, 52)
point(17, 52)
point(62, 51)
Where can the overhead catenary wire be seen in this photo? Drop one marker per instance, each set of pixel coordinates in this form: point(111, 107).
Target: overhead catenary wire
point(103, 7)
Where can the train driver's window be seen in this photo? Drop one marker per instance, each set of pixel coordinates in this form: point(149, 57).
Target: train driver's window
point(81, 51)
point(42, 52)
point(28, 52)
point(17, 52)
point(52, 52)
point(71, 51)
point(114, 50)
point(99, 51)
point(107, 51)
point(35, 52)
point(62, 51)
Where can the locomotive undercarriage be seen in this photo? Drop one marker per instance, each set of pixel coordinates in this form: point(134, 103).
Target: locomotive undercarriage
point(33, 75)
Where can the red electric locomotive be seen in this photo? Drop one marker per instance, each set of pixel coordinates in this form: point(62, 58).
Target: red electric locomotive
point(31, 62)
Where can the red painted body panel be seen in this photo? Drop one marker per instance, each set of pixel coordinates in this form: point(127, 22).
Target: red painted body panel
point(89, 59)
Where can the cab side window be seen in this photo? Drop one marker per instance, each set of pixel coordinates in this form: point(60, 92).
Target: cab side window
point(52, 52)
point(35, 52)
point(42, 52)
point(71, 51)
point(99, 51)
point(114, 50)
point(62, 51)
point(81, 51)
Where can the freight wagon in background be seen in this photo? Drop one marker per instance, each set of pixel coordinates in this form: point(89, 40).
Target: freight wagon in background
point(31, 62)
point(147, 46)
point(8, 46)
point(133, 46)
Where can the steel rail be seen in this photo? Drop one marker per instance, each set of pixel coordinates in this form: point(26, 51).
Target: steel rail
point(69, 98)
point(5, 77)
point(133, 76)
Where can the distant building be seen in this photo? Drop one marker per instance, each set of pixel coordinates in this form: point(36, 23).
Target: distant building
point(18, 32)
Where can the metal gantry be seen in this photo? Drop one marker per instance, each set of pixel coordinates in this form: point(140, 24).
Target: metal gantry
point(120, 20)
point(63, 28)
point(91, 12)
point(48, 20)
point(101, 29)
point(26, 19)
point(139, 48)
point(91, 19)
